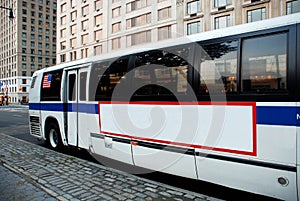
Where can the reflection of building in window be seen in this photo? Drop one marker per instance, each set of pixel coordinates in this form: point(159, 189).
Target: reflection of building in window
point(293, 7)
point(264, 64)
point(218, 71)
point(256, 15)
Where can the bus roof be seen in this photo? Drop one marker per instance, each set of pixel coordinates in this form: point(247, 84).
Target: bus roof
point(229, 31)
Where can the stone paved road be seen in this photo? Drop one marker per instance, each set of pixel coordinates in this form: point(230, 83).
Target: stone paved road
point(16, 188)
point(68, 178)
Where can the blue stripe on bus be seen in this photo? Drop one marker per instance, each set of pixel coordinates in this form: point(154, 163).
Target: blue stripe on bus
point(70, 107)
point(277, 115)
point(83, 108)
point(266, 115)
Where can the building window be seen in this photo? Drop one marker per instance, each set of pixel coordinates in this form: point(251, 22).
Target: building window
point(139, 20)
point(73, 42)
point(63, 7)
point(73, 15)
point(221, 3)
point(164, 33)
point(73, 3)
point(63, 20)
point(116, 12)
point(193, 7)
point(63, 33)
point(116, 27)
point(98, 20)
point(193, 28)
point(222, 22)
point(97, 49)
point(85, 11)
point(73, 29)
point(139, 38)
point(73, 56)
point(98, 4)
point(164, 13)
point(85, 25)
point(256, 15)
point(62, 58)
point(116, 43)
point(98, 35)
point(84, 39)
point(293, 7)
point(84, 53)
point(24, 35)
point(63, 45)
point(137, 4)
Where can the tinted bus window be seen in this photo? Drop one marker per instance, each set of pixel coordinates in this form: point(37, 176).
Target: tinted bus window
point(104, 78)
point(51, 86)
point(160, 73)
point(218, 68)
point(83, 78)
point(264, 64)
point(72, 87)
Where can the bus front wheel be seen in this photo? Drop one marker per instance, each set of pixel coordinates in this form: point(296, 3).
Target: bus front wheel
point(53, 136)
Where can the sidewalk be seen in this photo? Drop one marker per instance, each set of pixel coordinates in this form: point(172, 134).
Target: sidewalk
point(37, 173)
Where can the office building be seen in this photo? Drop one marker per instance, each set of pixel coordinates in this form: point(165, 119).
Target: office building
point(92, 27)
point(27, 43)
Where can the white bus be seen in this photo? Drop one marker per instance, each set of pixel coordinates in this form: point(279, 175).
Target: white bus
point(220, 106)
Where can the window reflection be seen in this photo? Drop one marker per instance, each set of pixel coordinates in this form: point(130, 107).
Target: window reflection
point(218, 69)
point(161, 72)
point(264, 64)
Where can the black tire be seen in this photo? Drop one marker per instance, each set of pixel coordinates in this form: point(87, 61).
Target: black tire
point(53, 136)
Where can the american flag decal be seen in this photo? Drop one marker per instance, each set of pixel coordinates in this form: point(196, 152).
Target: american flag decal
point(47, 80)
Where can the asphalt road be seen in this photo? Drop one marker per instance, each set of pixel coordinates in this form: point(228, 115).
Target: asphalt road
point(14, 122)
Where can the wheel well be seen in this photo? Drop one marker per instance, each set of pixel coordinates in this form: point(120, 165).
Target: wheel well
point(48, 121)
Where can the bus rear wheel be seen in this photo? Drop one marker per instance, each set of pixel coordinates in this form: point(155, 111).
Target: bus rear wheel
point(53, 136)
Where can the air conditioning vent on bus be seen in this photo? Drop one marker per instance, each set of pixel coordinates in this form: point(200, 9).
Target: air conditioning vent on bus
point(35, 125)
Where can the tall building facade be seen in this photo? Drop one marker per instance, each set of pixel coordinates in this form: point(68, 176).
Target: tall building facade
point(92, 27)
point(27, 43)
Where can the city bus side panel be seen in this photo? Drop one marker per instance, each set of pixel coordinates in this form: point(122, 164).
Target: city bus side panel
point(271, 157)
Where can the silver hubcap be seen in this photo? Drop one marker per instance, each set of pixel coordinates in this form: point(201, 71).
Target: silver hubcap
point(53, 138)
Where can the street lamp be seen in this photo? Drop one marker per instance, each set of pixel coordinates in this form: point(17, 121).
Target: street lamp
point(10, 14)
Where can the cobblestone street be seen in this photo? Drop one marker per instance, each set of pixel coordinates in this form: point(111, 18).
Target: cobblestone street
point(63, 177)
point(15, 188)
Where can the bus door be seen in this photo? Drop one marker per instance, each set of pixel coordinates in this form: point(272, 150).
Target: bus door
point(76, 97)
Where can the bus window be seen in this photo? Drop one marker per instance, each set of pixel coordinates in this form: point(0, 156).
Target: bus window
point(264, 64)
point(218, 68)
point(160, 73)
point(83, 78)
point(72, 87)
point(105, 76)
point(51, 86)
